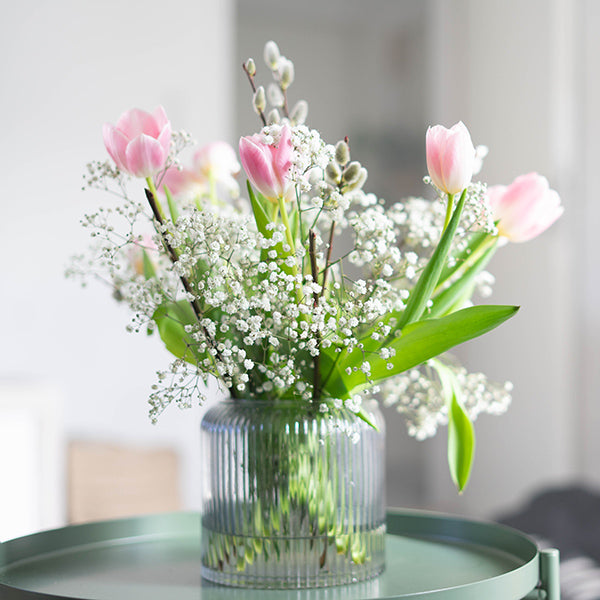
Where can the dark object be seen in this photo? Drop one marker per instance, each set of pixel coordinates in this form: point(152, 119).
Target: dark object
point(568, 517)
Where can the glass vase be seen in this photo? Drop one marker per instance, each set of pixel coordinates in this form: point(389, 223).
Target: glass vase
point(292, 497)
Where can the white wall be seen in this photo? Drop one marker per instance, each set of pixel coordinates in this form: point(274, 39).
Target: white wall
point(510, 69)
point(68, 66)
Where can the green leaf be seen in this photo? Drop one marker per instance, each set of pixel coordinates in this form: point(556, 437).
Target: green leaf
point(461, 433)
point(149, 271)
point(461, 444)
point(423, 290)
point(171, 318)
point(417, 343)
point(264, 210)
point(462, 289)
point(174, 212)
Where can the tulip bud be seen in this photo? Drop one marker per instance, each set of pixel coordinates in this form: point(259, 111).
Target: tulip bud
point(250, 67)
point(273, 117)
point(267, 167)
point(450, 157)
point(333, 173)
point(342, 153)
point(351, 172)
point(140, 141)
point(259, 100)
point(360, 181)
point(525, 208)
point(271, 55)
point(286, 73)
point(275, 95)
point(299, 112)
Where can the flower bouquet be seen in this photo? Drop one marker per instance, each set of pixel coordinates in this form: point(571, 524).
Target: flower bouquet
point(305, 296)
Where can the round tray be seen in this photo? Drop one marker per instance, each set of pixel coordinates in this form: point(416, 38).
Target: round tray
point(158, 558)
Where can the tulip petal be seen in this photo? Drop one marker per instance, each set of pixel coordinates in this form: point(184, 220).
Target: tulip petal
point(258, 167)
point(218, 158)
point(183, 183)
point(164, 138)
point(116, 142)
point(134, 122)
point(145, 156)
point(160, 117)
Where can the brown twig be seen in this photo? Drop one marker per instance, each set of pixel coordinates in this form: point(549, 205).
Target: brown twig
point(328, 259)
point(184, 280)
point(312, 236)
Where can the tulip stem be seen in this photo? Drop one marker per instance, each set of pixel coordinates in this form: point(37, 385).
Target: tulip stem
point(449, 208)
point(212, 188)
point(290, 241)
point(285, 221)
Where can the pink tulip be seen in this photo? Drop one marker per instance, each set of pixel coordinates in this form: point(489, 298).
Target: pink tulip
point(450, 157)
point(525, 208)
point(139, 143)
point(266, 166)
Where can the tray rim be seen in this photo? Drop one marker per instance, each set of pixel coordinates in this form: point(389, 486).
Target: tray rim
point(517, 582)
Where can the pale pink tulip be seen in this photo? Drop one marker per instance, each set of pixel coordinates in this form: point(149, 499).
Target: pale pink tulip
point(216, 161)
point(450, 157)
point(525, 208)
point(139, 143)
point(267, 167)
point(136, 251)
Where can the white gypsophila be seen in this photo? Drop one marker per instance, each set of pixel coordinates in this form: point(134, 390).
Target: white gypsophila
point(417, 394)
point(375, 241)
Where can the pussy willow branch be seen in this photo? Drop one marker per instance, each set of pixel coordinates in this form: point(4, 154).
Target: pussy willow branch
point(328, 259)
point(184, 280)
point(261, 114)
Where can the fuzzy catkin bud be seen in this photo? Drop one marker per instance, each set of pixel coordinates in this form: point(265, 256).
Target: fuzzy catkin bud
point(275, 95)
point(351, 172)
point(299, 112)
point(286, 73)
point(333, 173)
point(271, 55)
point(273, 118)
point(360, 181)
point(250, 67)
point(342, 153)
point(259, 100)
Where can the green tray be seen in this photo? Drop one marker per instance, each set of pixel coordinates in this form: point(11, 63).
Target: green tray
point(158, 558)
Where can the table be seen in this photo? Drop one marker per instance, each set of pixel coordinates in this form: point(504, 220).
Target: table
point(428, 556)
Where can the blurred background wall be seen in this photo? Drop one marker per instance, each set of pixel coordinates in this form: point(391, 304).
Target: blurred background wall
point(521, 74)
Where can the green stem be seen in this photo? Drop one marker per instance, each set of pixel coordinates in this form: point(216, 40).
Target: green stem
point(449, 208)
point(290, 241)
point(285, 221)
point(490, 242)
point(212, 188)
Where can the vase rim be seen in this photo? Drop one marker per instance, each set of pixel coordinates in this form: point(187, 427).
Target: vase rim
point(276, 402)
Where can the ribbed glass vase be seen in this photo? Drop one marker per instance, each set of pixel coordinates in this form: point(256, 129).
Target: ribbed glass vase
point(293, 497)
